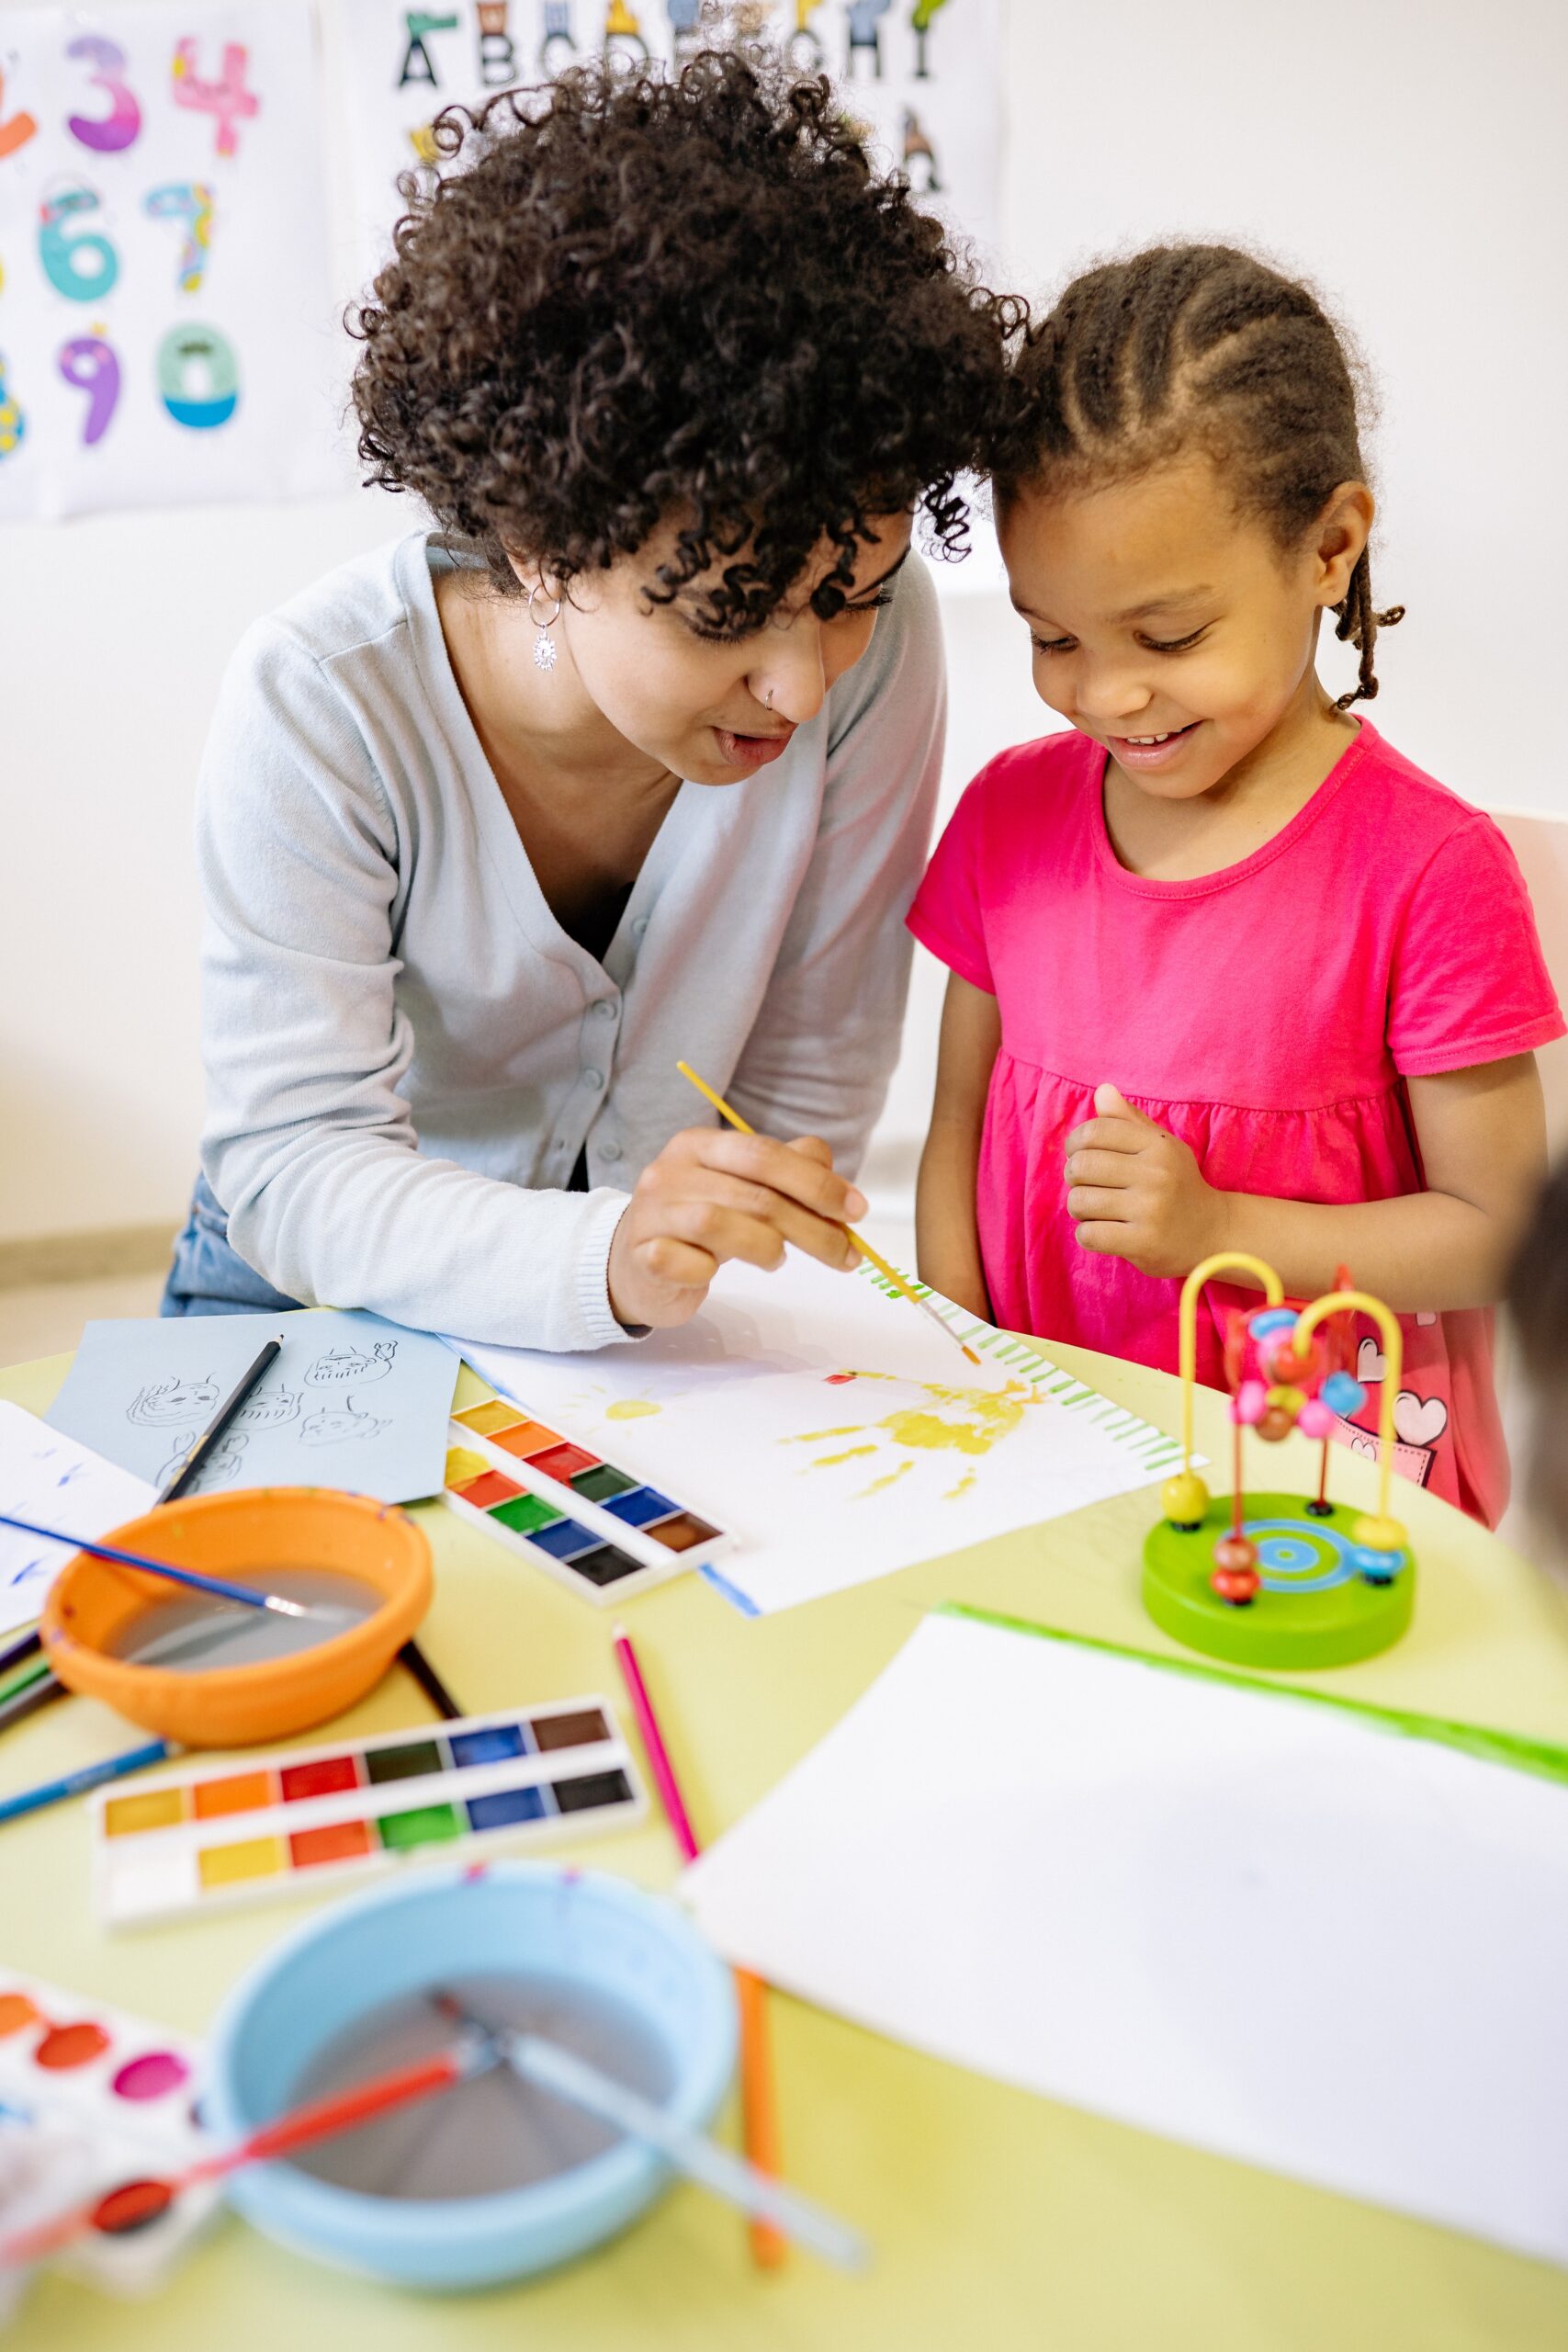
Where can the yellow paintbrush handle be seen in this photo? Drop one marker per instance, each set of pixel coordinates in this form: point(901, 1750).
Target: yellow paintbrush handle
point(719, 1104)
point(890, 1273)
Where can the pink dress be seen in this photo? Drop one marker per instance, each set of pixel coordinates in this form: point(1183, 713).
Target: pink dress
point(1267, 1015)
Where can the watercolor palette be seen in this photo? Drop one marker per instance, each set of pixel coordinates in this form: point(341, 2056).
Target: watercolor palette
point(114, 2096)
point(196, 1840)
point(599, 1529)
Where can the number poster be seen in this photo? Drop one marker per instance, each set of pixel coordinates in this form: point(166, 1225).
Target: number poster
point(167, 331)
point(924, 74)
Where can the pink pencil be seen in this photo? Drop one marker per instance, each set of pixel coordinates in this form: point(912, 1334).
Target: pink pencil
point(758, 2108)
point(653, 1741)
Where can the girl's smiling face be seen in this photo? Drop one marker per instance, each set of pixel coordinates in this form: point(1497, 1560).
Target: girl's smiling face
point(1169, 626)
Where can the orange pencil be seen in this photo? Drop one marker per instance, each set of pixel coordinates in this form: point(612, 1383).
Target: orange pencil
point(759, 2111)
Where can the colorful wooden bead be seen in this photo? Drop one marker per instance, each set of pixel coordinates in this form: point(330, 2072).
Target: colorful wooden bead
point(1374, 1566)
point(1233, 1553)
point(1285, 1400)
point(1184, 1498)
point(1342, 1393)
point(1276, 1424)
point(1239, 1586)
point(1379, 1535)
point(1249, 1403)
point(1315, 1419)
point(1272, 1318)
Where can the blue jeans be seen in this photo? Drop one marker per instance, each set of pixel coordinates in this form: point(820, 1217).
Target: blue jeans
point(208, 1277)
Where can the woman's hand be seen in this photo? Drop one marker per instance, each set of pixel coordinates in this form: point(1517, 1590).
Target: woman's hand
point(711, 1195)
point(1137, 1192)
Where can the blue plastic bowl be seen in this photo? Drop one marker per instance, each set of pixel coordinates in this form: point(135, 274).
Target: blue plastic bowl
point(521, 1918)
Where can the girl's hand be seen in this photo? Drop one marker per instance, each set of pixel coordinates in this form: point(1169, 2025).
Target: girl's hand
point(1137, 1192)
point(712, 1195)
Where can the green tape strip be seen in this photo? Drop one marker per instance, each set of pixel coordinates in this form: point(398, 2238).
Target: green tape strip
point(1547, 1761)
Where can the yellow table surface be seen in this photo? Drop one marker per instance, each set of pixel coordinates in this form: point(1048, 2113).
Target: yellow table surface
point(999, 2220)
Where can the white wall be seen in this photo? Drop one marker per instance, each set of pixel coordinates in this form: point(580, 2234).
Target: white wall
point(1408, 154)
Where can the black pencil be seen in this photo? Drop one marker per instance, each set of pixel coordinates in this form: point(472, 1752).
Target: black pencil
point(429, 1682)
point(191, 1466)
point(38, 1694)
point(20, 1650)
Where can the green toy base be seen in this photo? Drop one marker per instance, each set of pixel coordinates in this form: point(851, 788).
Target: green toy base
point(1312, 1610)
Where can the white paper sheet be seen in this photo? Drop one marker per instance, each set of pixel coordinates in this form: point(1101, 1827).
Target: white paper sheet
point(1230, 1916)
point(833, 1430)
point(55, 1482)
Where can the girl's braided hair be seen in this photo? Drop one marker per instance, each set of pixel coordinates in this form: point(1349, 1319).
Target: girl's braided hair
point(1198, 346)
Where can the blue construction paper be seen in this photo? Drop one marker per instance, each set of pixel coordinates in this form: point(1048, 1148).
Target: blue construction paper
point(353, 1401)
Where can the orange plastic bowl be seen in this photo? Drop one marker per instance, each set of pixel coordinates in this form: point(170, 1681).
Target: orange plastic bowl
point(245, 1536)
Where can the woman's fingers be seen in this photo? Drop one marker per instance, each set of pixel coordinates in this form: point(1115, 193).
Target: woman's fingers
point(713, 1195)
point(794, 1170)
point(736, 1229)
point(758, 1205)
point(678, 1263)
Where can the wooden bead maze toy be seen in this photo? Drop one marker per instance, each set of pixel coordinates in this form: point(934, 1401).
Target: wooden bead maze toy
point(1270, 1579)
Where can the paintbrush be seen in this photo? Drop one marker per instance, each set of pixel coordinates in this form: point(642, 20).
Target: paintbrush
point(548, 2067)
point(411, 1655)
point(246, 1596)
point(319, 2119)
point(890, 1273)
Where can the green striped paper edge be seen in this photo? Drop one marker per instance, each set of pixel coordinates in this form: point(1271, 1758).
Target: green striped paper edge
point(1547, 1761)
point(1154, 1447)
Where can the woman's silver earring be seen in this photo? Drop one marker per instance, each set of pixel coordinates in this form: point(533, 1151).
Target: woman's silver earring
point(544, 643)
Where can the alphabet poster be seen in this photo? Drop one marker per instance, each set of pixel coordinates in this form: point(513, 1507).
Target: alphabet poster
point(925, 75)
point(167, 329)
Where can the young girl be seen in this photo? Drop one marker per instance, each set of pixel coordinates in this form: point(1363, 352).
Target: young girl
point(1228, 972)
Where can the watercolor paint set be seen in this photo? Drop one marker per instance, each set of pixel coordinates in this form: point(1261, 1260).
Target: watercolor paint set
point(597, 1529)
point(209, 1836)
point(112, 2100)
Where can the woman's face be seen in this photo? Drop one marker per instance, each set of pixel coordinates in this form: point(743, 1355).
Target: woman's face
point(714, 709)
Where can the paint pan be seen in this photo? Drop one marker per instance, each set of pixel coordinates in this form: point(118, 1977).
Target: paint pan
point(599, 1529)
point(196, 1840)
point(104, 1623)
point(116, 2096)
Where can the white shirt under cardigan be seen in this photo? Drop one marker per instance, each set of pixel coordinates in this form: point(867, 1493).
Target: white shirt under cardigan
point(405, 1052)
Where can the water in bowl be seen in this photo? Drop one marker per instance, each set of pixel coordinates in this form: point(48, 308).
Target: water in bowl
point(193, 1632)
point(495, 2132)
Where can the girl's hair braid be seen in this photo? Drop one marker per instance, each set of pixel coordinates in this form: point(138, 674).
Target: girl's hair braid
point(1199, 346)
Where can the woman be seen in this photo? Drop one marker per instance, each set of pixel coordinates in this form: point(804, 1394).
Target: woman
point(632, 759)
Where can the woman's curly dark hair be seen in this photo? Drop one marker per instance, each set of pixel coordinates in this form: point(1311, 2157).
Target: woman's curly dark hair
point(695, 297)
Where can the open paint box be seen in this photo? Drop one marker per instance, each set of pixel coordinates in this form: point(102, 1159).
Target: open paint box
point(493, 2179)
point(161, 1657)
